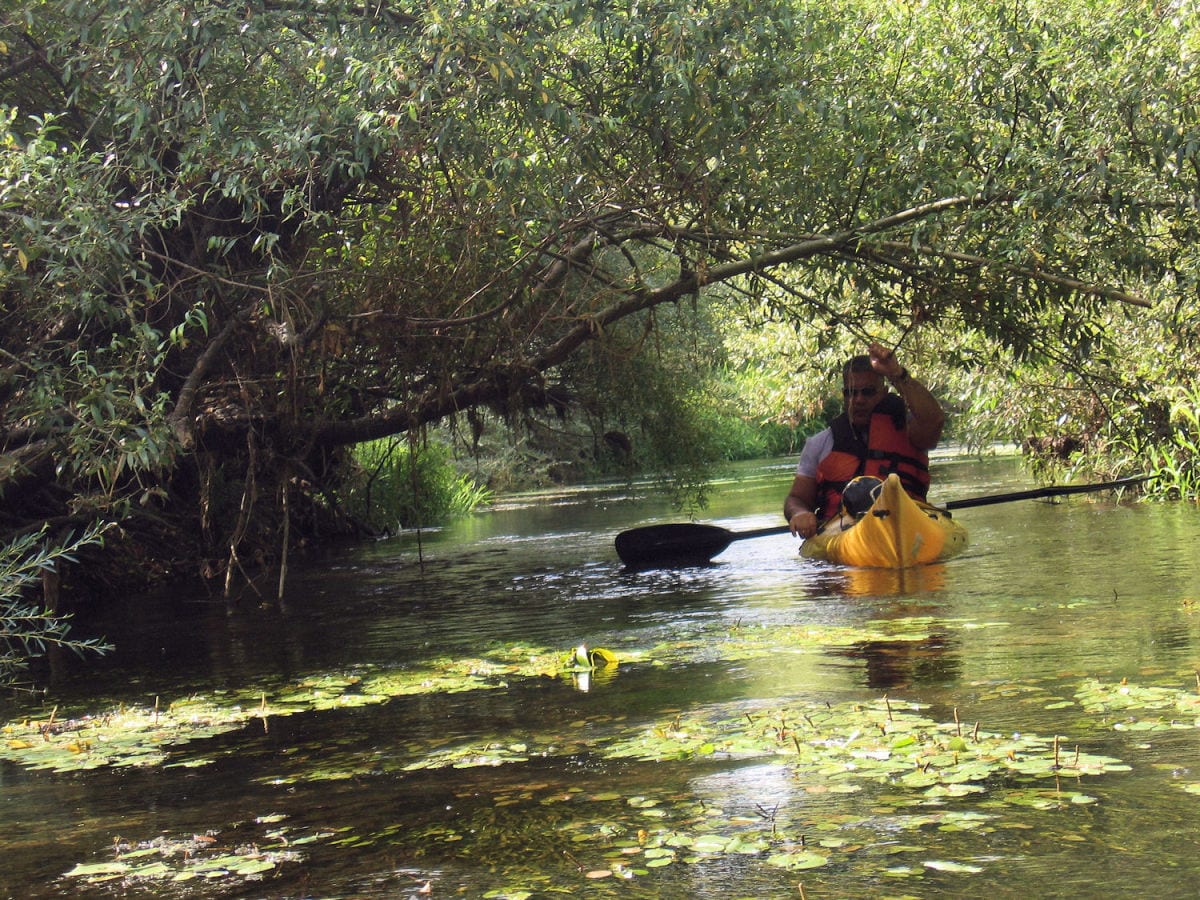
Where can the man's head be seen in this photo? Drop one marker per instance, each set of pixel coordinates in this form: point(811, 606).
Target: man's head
point(862, 389)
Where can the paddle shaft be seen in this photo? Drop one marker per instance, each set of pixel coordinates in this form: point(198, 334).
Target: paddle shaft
point(1052, 491)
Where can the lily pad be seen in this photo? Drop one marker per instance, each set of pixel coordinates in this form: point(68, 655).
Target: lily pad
point(797, 860)
point(942, 865)
point(146, 735)
point(183, 859)
point(884, 741)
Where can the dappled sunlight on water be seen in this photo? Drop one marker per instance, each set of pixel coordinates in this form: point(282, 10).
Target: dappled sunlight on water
point(480, 767)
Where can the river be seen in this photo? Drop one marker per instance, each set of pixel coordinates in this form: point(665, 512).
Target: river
point(1019, 721)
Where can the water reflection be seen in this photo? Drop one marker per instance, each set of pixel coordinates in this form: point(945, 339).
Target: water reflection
point(1050, 595)
point(897, 595)
point(858, 582)
point(895, 665)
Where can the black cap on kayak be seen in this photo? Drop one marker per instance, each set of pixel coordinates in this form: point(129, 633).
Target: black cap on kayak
point(860, 495)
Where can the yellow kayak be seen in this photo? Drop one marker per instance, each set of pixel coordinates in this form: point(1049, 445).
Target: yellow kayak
point(895, 533)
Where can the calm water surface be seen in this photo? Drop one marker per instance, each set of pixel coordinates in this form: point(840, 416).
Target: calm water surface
point(1048, 597)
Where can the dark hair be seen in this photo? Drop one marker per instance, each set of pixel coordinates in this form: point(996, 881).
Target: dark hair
point(856, 364)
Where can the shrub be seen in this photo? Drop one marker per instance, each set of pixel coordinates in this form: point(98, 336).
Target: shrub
point(396, 484)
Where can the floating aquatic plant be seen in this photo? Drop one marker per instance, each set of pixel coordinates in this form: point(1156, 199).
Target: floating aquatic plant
point(126, 736)
point(581, 659)
point(129, 735)
point(211, 856)
point(854, 741)
point(1118, 703)
point(910, 763)
point(886, 740)
point(605, 835)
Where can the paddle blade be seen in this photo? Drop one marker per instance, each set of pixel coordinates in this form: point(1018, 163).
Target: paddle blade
point(664, 546)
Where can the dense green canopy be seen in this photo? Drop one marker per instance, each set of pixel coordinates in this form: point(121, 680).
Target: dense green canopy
point(238, 236)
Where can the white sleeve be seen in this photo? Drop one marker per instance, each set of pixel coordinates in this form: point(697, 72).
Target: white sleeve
point(816, 448)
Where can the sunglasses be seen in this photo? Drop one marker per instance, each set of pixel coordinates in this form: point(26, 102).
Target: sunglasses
point(860, 392)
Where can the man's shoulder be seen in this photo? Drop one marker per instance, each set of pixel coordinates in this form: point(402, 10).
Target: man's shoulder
point(821, 438)
point(816, 448)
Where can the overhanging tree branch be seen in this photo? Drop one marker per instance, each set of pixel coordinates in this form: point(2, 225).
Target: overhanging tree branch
point(178, 418)
point(1030, 273)
point(524, 373)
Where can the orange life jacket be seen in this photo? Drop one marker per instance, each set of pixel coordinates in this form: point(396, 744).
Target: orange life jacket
point(887, 450)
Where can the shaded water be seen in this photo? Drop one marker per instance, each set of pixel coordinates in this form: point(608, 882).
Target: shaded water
point(1048, 597)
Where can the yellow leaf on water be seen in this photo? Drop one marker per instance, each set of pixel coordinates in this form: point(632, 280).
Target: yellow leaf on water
point(600, 658)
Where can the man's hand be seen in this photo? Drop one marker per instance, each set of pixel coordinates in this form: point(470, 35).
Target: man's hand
point(803, 524)
point(799, 505)
point(884, 361)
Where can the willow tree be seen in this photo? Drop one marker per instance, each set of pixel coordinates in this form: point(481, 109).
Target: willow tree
point(240, 236)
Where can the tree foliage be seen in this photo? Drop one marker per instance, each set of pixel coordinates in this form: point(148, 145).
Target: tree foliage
point(238, 237)
point(26, 629)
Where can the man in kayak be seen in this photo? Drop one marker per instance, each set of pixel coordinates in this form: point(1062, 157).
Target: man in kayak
point(878, 433)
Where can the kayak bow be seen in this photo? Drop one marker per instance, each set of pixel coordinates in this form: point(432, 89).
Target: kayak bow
point(895, 533)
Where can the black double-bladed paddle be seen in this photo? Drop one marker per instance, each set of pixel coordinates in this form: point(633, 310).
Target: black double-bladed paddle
point(692, 544)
